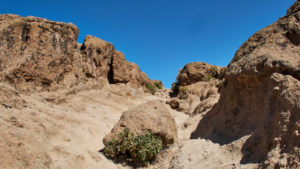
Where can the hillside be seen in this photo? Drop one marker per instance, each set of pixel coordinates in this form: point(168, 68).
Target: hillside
point(61, 102)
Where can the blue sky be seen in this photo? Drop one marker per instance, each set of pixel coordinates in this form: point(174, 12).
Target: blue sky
point(161, 36)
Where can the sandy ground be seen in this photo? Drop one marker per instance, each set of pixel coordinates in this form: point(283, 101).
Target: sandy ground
point(64, 129)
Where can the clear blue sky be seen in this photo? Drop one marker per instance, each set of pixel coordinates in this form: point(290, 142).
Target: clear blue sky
point(161, 36)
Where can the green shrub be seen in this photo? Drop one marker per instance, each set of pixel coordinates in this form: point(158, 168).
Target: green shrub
point(153, 87)
point(219, 84)
point(182, 92)
point(138, 151)
point(207, 78)
point(158, 84)
point(214, 71)
point(150, 88)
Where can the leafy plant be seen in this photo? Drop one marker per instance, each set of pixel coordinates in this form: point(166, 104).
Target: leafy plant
point(207, 78)
point(153, 87)
point(214, 71)
point(158, 84)
point(137, 150)
point(182, 92)
point(219, 84)
point(150, 88)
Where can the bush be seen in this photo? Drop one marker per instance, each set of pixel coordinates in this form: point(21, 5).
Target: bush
point(174, 88)
point(153, 87)
point(150, 88)
point(158, 84)
point(219, 84)
point(138, 151)
point(214, 71)
point(182, 92)
point(207, 78)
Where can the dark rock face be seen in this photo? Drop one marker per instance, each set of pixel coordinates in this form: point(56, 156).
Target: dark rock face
point(38, 54)
point(260, 97)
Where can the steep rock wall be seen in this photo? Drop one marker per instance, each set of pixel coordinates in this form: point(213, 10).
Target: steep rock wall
point(261, 97)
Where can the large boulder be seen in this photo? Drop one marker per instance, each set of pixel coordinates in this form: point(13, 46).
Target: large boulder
point(153, 117)
point(38, 54)
point(260, 97)
point(197, 83)
point(197, 71)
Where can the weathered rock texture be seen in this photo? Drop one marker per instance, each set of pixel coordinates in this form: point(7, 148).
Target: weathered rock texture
point(153, 117)
point(38, 54)
point(198, 71)
point(197, 84)
point(261, 97)
point(10, 98)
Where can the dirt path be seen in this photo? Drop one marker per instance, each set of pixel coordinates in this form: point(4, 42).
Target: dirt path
point(65, 129)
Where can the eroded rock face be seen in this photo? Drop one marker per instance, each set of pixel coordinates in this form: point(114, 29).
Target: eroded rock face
point(98, 54)
point(10, 98)
point(197, 71)
point(153, 117)
point(38, 54)
point(197, 85)
point(35, 51)
point(294, 9)
point(124, 71)
point(261, 96)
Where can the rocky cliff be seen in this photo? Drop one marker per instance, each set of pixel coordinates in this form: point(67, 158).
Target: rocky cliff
point(38, 54)
point(246, 115)
point(260, 97)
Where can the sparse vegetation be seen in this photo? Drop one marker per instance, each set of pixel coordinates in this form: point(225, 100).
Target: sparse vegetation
point(174, 88)
point(135, 150)
point(207, 78)
point(214, 71)
point(219, 84)
point(158, 84)
point(153, 87)
point(150, 88)
point(182, 92)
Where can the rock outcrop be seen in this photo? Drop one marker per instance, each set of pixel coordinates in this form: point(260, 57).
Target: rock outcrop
point(153, 117)
point(251, 109)
point(124, 71)
point(260, 97)
point(198, 71)
point(38, 54)
point(197, 83)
